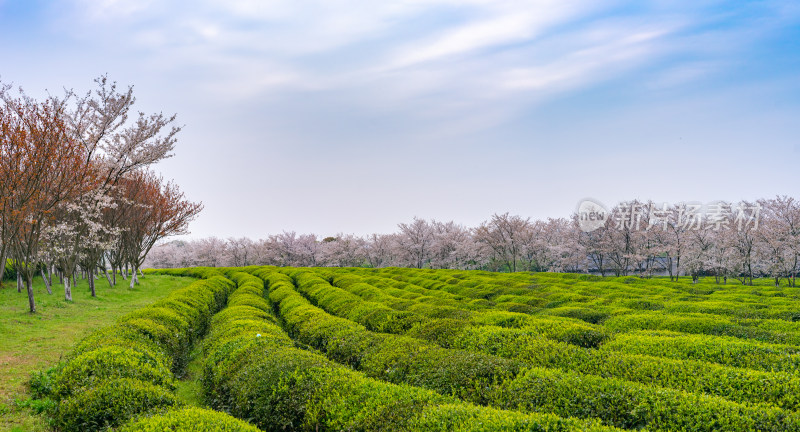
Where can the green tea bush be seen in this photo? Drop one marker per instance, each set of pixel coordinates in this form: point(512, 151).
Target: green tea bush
point(635, 406)
point(127, 369)
point(530, 348)
point(9, 272)
point(189, 419)
point(717, 349)
point(390, 357)
point(592, 316)
point(557, 328)
point(111, 402)
point(697, 324)
point(280, 387)
point(109, 362)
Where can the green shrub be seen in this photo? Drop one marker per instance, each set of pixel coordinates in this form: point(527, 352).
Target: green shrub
point(717, 349)
point(635, 406)
point(281, 387)
point(111, 362)
point(592, 316)
point(697, 324)
point(393, 358)
point(125, 370)
point(557, 328)
point(189, 419)
point(9, 273)
point(110, 403)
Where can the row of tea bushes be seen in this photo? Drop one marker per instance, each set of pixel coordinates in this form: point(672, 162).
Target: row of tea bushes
point(733, 383)
point(564, 392)
point(124, 372)
point(551, 290)
point(533, 350)
point(557, 328)
point(393, 358)
point(636, 406)
point(717, 349)
point(280, 387)
point(188, 419)
point(700, 324)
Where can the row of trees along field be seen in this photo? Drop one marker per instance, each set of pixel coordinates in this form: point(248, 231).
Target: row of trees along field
point(76, 190)
point(740, 241)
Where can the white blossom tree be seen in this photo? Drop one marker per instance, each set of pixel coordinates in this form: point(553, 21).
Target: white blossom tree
point(414, 241)
point(504, 235)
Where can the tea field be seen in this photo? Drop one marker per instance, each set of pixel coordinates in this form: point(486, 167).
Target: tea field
point(437, 350)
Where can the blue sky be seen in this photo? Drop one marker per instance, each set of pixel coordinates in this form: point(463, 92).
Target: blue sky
point(353, 116)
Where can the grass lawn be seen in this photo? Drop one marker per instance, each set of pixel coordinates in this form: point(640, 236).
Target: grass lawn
point(33, 342)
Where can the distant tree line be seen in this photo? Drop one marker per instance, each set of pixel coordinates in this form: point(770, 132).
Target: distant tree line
point(76, 191)
point(739, 241)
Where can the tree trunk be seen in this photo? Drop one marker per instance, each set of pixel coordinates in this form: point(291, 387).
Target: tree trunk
point(108, 277)
point(74, 280)
point(46, 282)
point(669, 265)
point(19, 281)
point(134, 280)
point(29, 286)
point(2, 265)
point(67, 289)
point(91, 281)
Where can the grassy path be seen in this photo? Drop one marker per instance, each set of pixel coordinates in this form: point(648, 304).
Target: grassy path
point(33, 342)
point(188, 387)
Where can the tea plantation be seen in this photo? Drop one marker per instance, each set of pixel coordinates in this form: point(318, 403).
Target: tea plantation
point(438, 350)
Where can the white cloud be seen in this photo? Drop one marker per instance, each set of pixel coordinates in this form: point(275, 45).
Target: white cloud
point(498, 26)
point(587, 64)
point(113, 10)
point(450, 65)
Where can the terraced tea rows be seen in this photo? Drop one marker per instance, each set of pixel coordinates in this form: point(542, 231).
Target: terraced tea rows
point(400, 349)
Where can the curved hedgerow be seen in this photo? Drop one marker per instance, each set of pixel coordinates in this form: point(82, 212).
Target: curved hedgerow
point(112, 362)
point(736, 384)
point(126, 370)
point(698, 324)
point(442, 304)
point(111, 402)
point(262, 377)
point(590, 394)
point(717, 349)
point(393, 358)
point(191, 419)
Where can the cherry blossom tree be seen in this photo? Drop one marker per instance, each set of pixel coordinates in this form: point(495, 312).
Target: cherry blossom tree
point(597, 245)
point(379, 249)
point(158, 210)
point(504, 235)
point(778, 237)
point(344, 250)
point(415, 240)
point(239, 251)
point(41, 167)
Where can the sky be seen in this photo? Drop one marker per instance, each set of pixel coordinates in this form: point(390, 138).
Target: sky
point(336, 116)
